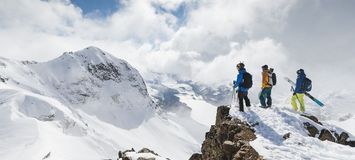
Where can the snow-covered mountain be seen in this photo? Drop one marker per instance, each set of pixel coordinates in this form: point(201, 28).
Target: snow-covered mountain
point(86, 105)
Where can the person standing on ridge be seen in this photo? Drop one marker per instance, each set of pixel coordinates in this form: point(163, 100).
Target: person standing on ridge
point(298, 92)
point(243, 83)
point(265, 88)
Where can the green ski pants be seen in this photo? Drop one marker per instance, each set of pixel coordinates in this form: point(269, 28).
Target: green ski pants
point(298, 97)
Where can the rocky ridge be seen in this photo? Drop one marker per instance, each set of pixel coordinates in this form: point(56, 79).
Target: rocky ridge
point(318, 130)
point(228, 139)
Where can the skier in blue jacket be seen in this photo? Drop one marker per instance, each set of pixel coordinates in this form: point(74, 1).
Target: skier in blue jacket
point(299, 91)
point(242, 91)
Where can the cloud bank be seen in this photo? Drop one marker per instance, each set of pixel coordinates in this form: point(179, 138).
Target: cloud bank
point(198, 40)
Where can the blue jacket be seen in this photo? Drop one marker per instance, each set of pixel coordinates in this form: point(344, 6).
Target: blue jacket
point(238, 82)
point(299, 82)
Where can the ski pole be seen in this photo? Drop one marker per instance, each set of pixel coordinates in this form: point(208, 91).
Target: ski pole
point(237, 103)
point(233, 97)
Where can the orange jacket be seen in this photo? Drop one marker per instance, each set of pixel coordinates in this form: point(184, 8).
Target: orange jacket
point(265, 79)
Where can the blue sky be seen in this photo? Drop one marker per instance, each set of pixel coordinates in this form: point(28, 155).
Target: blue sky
point(103, 7)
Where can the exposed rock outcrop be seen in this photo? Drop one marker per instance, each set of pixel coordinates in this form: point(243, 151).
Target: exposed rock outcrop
point(143, 154)
point(342, 138)
point(196, 156)
point(312, 130)
point(228, 139)
point(146, 150)
point(286, 136)
point(324, 133)
point(3, 79)
point(313, 118)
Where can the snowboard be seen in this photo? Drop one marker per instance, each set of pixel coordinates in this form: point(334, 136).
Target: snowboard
point(306, 93)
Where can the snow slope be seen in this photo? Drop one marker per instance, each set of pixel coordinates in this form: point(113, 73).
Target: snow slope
point(86, 105)
point(275, 122)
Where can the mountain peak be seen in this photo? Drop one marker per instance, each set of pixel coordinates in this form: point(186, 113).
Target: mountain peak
point(93, 48)
point(90, 54)
point(90, 79)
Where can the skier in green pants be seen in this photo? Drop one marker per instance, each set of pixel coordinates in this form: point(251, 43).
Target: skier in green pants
point(299, 91)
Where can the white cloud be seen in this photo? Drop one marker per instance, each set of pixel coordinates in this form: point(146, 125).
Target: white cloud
point(53, 17)
point(253, 53)
point(151, 40)
point(214, 24)
point(140, 21)
point(41, 30)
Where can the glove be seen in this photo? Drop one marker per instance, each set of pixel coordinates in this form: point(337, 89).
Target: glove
point(235, 84)
point(294, 93)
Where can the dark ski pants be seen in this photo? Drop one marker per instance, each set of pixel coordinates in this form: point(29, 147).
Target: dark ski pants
point(265, 95)
point(243, 96)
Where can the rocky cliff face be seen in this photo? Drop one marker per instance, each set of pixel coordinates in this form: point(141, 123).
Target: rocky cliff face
point(228, 139)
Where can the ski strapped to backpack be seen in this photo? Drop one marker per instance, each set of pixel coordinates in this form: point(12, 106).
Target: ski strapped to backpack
point(247, 80)
point(306, 93)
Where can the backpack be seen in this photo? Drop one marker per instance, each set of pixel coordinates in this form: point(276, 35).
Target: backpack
point(307, 85)
point(273, 77)
point(247, 80)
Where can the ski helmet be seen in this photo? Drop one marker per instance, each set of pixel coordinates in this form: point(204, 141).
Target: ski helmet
point(265, 67)
point(240, 65)
point(300, 71)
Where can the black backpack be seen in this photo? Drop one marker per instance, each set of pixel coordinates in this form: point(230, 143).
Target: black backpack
point(247, 80)
point(273, 77)
point(307, 85)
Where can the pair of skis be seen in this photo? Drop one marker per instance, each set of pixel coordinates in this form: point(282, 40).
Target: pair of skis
point(306, 93)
